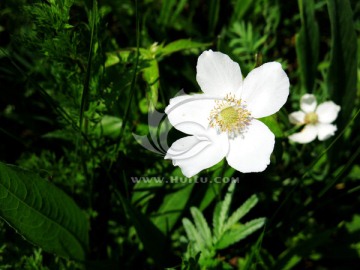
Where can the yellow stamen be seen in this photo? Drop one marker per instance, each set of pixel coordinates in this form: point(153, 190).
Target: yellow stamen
point(230, 115)
point(311, 118)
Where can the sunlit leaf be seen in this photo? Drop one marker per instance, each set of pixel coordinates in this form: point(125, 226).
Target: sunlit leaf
point(42, 213)
point(201, 225)
point(182, 44)
point(241, 211)
point(239, 232)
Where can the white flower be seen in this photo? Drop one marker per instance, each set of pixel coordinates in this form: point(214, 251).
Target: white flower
point(222, 121)
point(317, 120)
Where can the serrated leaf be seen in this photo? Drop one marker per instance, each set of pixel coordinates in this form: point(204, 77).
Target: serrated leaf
point(225, 206)
point(241, 211)
point(242, 231)
point(42, 213)
point(202, 225)
point(193, 234)
point(216, 219)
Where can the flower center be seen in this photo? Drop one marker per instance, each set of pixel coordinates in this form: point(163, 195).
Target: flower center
point(230, 115)
point(311, 118)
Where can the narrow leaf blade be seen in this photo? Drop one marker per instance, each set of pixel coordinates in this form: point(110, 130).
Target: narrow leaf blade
point(342, 75)
point(241, 211)
point(202, 225)
point(307, 45)
point(235, 235)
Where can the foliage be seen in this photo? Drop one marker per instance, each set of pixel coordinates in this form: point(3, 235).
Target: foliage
point(226, 229)
point(79, 78)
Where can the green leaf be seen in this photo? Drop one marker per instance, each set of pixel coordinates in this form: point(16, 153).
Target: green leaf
point(216, 219)
point(342, 75)
point(292, 256)
point(42, 213)
point(272, 123)
point(172, 207)
point(152, 238)
point(202, 225)
point(143, 191)
point(307, 44)
point(240, 8)
point(109, 126)
point(151, 76)
point(214, 10)
point(170, 10)
point(166, 11)
point(182, 44)
point(240, 232)
point(193, 234)
point(241, 211)
point(213, 189)
point(224, 210)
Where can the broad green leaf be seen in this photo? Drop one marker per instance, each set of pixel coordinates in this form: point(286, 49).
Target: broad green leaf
point(109, 126)
point(152, 238)
point(240, 232)
point(113, 58)
point(272, 123)
point(172, 207)
point(342, 75)
point(182, 44)
point(143, 191)
point(42, 213)
point(202, 225)
point(307, 45)
point(241, 211)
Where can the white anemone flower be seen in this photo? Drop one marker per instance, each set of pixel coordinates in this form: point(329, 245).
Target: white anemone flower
point(222, 121)
point(317, 120)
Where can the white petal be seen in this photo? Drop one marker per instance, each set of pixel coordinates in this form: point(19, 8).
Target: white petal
point(196, 153)
point(327, 112)
point(187, 112)
point(308, 103)
point(266, 89)
point(297, 117)
point(308, 134)
point(251, 153)
point(217, 74)
point(325, 131)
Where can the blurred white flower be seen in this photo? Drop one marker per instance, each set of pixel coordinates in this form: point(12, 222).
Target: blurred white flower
point(222, 120)
point(317, 120)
